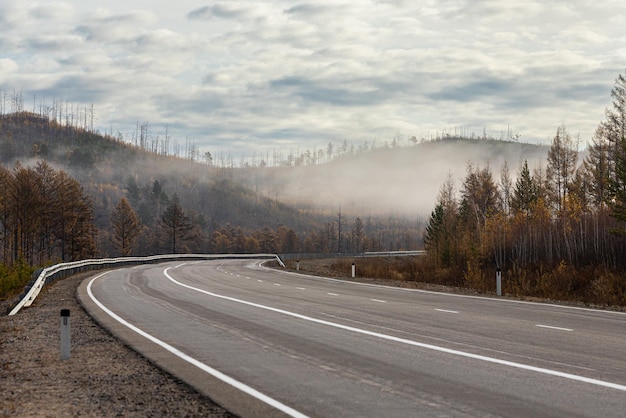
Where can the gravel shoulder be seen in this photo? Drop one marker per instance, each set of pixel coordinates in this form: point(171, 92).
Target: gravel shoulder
point(102, 378)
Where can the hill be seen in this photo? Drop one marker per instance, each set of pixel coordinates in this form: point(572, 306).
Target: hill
point(109, 169)
point(393, 189)
point(403, 181)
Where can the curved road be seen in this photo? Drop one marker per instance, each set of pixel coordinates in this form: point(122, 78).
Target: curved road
point(263, 342)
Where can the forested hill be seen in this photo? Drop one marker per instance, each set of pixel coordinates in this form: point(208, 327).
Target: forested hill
point(109, 169)
point(388, 192)
point(394, 179)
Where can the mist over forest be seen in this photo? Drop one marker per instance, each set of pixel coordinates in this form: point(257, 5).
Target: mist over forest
point(474, 203)
point(356, 198)
point(391, 180)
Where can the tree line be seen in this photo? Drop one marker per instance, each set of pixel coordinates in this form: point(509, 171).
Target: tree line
point(556, 231)
point(151, 222)
point(45, 217)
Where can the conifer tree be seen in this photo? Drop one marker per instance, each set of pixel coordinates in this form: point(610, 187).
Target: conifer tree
point(524, 193)
point(126, 227)
point(175, 223)
point(561, 168)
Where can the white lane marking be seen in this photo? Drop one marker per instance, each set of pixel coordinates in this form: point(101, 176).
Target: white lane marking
point(215, 373)
point(332, 294)
point(447, 311)
point(555, 328)
point(276, 284)
point(301, 288)
point(260, 281)
point(409, 342)
point(378, 300)
point(431, 292)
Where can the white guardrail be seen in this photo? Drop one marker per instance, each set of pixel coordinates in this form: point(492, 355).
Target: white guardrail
point(47, 275)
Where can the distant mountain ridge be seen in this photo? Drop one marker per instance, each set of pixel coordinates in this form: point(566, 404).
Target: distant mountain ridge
point(396, 180)
point(390, 180)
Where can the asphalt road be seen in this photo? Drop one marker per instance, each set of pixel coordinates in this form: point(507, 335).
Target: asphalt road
point(268, 343)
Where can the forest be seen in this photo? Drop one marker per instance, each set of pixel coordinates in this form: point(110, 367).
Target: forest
point(557, 231)
point(554, 224)
point(70, 193)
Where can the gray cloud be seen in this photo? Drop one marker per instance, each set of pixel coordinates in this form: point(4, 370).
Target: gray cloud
point(220, 11)
point(281, 74)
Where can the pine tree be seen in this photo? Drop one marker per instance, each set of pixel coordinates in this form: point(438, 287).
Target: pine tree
point(597, 169)
point(126, 227)
point(613, 131)
point(175, 223)
point(524, 193)
point(562, 158)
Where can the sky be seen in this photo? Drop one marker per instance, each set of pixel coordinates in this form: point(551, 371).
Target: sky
point(254, 76)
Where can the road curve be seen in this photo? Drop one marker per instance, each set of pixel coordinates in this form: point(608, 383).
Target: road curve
point(269, 343)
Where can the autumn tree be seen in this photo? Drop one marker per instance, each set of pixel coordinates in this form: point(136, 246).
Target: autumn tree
point(175, 223)
point(440, 238)
point(597, 169)
point(358, 235)
point(562, 159)
point(614, 130)
point(126, 227)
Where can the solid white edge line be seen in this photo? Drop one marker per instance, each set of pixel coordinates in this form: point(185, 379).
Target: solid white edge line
point(215, 373)
point(409, 342)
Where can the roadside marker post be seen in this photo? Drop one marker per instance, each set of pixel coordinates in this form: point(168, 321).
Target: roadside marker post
point(353, 271)
point(498, 282)
point(65, 334)
point(297, 265)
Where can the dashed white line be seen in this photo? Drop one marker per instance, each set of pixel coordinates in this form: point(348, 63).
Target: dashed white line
point(260, 281)
point(413, 343)
point(378, 300)
point(332, 294)
point(276, 284)
point(447, 311)
point(301, 288)
point(554, 328)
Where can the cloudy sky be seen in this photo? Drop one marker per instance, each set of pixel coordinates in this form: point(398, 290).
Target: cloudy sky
point(288, 75)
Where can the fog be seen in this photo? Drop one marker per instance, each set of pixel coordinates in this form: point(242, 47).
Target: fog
point(403, 181)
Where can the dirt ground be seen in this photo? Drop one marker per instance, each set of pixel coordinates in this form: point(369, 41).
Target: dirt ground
point(102, 378)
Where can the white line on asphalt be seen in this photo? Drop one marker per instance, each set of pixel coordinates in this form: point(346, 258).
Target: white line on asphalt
point(276, 284)
point(332, 294)
point(378, 300)
point(446, 311)
point(555, 328)
point(431, 292)
point(409, 342)
point(260, 281)
point(301, 288)
point(215, 373)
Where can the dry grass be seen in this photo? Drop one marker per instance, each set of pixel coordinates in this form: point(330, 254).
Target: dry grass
point(590, 286)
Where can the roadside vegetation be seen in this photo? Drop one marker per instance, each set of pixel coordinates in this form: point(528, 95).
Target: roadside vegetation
point(555, 228)
point(558, 231)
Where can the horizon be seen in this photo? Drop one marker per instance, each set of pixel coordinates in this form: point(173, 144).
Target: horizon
point(232, 76)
